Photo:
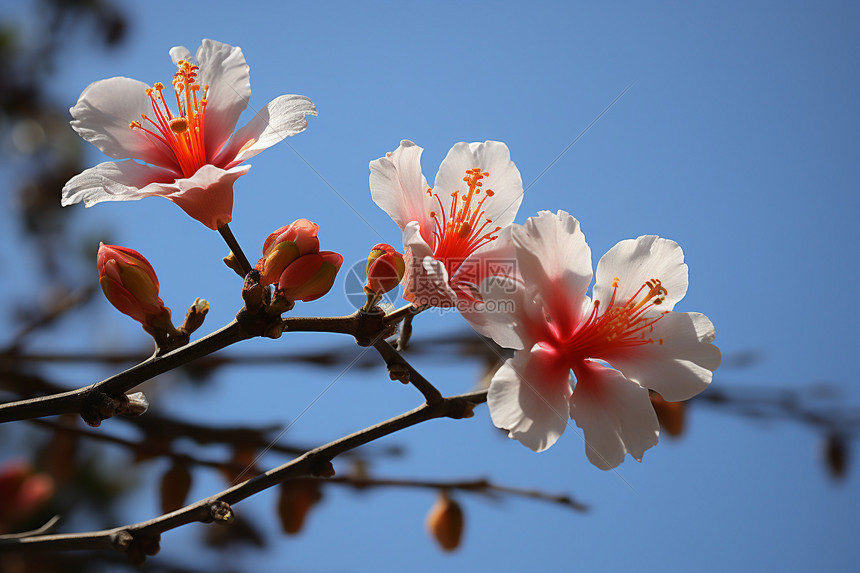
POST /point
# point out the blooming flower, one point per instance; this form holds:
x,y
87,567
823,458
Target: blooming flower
x,y
450,229
188,154
130,284
619,343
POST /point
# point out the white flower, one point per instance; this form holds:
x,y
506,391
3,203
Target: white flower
x,y
180,145
619,345
452,229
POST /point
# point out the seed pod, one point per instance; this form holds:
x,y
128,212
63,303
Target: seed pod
x,y
175,485
296,500
671,415
445,522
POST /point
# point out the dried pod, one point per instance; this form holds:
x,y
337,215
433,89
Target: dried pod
x,y
445,522
836,455
296,499
175,485
671,415
244,457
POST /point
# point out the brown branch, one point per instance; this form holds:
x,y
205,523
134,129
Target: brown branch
x,y
477,486
217,508
91,401
400,369
231,241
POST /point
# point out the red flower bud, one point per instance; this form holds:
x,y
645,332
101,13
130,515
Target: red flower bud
x,y
130,284
286,245
385,268
310,276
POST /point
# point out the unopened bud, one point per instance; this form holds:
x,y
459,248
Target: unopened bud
x,y
284,246
195,315
385,269
445,522
131,286
310,276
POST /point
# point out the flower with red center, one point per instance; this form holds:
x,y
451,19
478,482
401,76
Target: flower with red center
x,y
453,228
619,343
180,146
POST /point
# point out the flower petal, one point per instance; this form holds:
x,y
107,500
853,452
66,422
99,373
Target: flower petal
x,y
179,53
223,69
504,178
635,261
115,181
399,188
208,194
680,362
496,315
102,117
425,280
529,397
284,116
615,415
553,256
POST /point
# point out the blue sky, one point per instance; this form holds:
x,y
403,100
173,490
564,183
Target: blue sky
x,y
736,137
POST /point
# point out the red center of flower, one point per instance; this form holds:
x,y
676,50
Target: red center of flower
x,y
464,227
182,133
620,326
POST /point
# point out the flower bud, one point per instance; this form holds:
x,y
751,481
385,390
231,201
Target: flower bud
x,y
286,245
385,268
130,284
445,522
310,276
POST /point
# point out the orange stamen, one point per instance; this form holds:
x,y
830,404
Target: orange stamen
x,y
182,133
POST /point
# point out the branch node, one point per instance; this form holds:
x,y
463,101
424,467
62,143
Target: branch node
x,y
321,468
398,371
460,409
121,540
97,407
133,405
221,512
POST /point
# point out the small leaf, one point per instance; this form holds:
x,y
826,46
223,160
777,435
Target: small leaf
x,y
175,485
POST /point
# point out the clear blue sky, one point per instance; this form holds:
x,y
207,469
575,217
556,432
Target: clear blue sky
x,y
737,138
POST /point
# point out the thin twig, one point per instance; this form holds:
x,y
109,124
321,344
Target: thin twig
x,y
231,241
78,401
401,370
313,462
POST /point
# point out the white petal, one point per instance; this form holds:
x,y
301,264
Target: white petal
x,y
115,181
529,397
614,413
635,261
553,256
399,188
284,116
426,279
496,316
223,69
679,363
504,178
179,53
494,259
102,117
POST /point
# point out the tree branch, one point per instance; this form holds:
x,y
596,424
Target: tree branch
x,y
91,400
217,507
